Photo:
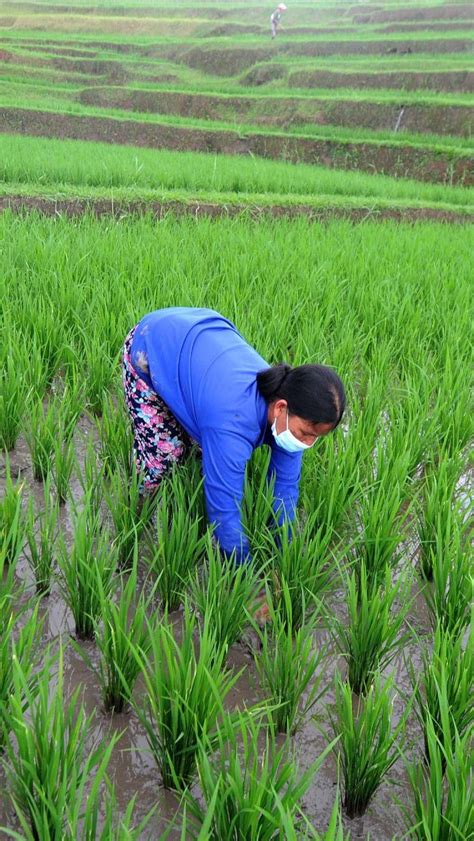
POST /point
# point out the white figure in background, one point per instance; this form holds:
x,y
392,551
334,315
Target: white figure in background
x,y
276,17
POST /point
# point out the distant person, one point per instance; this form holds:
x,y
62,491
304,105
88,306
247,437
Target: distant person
x,y
189,376
276,17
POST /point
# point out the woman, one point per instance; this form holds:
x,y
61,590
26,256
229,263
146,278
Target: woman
x,y
190,376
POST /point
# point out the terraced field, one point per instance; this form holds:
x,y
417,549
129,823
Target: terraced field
x,y
382,89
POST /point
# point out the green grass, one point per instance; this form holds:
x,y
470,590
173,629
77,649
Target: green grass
x,y
64,164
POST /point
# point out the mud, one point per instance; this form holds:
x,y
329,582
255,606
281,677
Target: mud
x,y
450,81
284,113
132,769
403,161
72,208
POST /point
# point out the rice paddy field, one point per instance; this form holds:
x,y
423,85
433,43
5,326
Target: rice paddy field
x,y
316,190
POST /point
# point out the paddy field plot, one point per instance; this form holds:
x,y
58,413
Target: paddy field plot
x,y
317,191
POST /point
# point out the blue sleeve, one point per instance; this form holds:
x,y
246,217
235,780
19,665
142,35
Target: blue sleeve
x,y
224,458
286,469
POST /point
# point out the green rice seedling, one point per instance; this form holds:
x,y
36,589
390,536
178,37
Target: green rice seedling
x,y
92,816
368,745
12,527
299,828
189,476
91,475
449,597
41,436
64,463
374,633
305,561
289,667
331,484
435,513
41,533
179,544
225,593
99,820
35,374
185,687
257,502
454,417
444,686
12,393
122,630
246,788
71,402
48,332
48,764
381,528
442,788
100,370
130,511
20,645
115,437
86,570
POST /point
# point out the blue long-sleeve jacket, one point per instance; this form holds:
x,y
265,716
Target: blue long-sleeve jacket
x,y
205,371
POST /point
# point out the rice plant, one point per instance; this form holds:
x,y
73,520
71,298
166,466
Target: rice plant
x,y
122,630
64,462
225,593
374,632
442,787
91,816
12,393
86,570
382,525
332,483
49,763
247,788
257,501
19,644
305,561
130,512
91,476
289,666
41,534
12,526
41,435
185,687
100,370
435,514
115,437
300,828
179,545
368,745
449,596
443,688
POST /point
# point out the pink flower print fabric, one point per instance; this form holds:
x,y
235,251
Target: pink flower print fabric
x,y
159,440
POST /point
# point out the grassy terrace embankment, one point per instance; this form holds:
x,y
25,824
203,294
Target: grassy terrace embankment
x,y
54,172
383,88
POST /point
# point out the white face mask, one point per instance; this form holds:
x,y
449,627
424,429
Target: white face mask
x,y
287,441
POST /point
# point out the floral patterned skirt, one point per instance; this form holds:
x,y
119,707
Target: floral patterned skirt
x,y
159,440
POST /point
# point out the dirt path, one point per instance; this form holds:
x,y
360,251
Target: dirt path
x,y
105,207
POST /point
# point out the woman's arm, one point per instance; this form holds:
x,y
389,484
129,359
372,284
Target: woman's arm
x,y
224,458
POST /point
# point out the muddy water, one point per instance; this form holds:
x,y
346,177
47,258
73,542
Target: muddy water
x,y
132,767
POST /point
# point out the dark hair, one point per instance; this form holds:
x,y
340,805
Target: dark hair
x,y
313,392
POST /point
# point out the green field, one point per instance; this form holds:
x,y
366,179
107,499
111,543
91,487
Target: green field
x,y
317,190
